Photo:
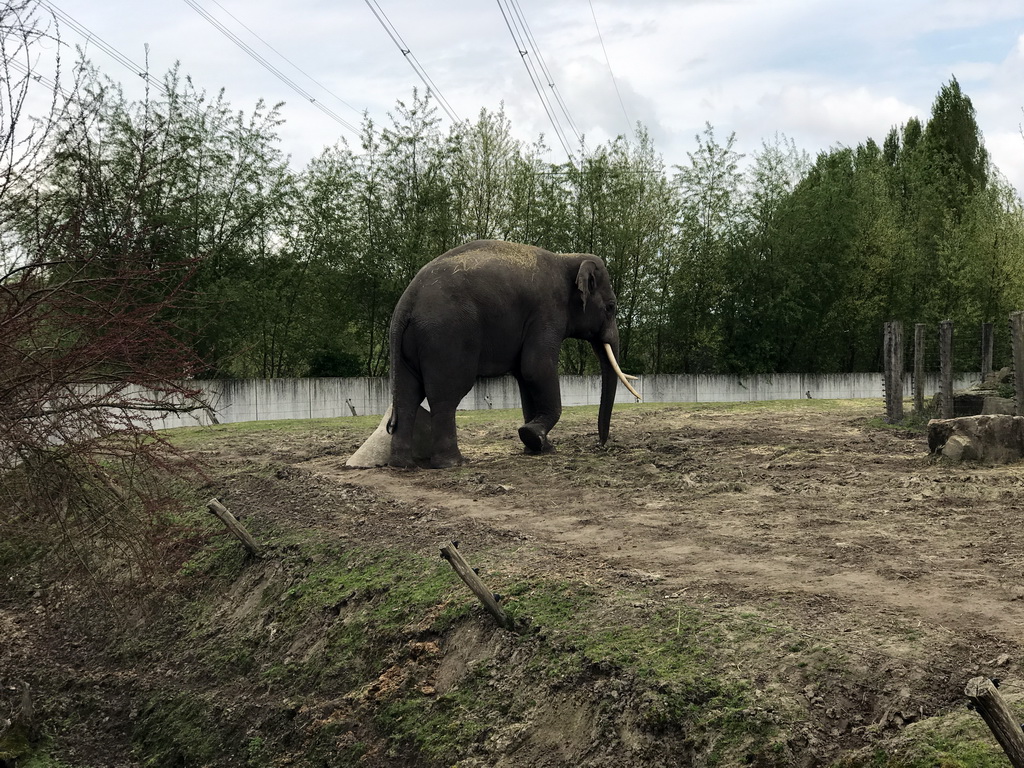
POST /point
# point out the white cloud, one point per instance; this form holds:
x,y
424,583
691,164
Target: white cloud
x,y
831,114
821,73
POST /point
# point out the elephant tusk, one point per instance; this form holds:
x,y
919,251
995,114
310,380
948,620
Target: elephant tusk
x,y
619,373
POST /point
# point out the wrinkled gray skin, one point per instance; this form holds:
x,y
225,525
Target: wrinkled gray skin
x,y
486,309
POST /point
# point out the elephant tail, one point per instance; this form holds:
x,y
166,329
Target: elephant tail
x,y
399,323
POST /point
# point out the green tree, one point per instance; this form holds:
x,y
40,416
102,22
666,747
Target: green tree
x,y
762,299
709,189
179,177
484,157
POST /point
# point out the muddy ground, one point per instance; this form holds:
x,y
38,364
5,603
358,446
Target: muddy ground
x,y
898,576
816,518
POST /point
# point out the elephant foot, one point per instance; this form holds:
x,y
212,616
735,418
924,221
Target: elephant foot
x,y
535,439
444,462
402,461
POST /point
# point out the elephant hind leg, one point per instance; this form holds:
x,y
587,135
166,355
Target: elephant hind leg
x,y
446,451
407,398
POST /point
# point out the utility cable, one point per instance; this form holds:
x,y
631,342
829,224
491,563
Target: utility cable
x,y
92,38
271,68
615,82
544,71
536,80
292,63
396,38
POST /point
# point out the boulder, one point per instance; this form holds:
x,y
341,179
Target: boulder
x,y
994,439
1003,405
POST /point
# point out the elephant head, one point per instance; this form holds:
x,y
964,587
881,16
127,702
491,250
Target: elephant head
x,y
597,325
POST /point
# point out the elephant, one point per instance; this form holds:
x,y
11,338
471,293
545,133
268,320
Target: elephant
x,y
488,308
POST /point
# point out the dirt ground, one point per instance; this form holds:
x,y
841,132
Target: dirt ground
x,y
903,571
808,508
850,534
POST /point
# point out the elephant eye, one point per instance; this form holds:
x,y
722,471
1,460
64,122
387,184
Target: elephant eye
x,y
611,309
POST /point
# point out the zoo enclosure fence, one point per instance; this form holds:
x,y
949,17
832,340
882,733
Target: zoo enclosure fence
x,y
927,354
234,400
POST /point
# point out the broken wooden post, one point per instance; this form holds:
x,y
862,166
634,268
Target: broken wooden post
x,y
893,379
946,369
1000,718
919,331
1017,335
451,553
234,526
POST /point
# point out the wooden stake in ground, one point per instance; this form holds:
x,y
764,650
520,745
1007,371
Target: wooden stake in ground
x,y
234,526
451,553
1001,720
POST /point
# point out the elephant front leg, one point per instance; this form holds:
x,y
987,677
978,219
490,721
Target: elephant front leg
x,y
535,438
542,407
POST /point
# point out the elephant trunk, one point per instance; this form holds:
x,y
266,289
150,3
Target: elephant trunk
x,y
609,382
611,375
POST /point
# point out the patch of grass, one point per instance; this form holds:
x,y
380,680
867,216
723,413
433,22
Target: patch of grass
x,y
439,729
358,607
959,739
682,653
179,729
42,760
221,560
197,437
911,422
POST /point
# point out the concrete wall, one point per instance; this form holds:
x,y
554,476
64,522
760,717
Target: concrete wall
x,y
260,400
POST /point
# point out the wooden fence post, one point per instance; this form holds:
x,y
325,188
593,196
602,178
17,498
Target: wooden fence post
x,y
1000,718
946,369
893,377
919,331
987,344
1017,334
451,553
240,532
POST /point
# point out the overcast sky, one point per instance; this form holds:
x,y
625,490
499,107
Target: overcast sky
x,y
823,73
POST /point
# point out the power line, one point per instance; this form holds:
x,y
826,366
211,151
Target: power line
x,y
544,69
292,63
396,38
271,68
92,38
615,82
535,78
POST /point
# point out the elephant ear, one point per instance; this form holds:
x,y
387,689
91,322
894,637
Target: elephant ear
x,y
586,280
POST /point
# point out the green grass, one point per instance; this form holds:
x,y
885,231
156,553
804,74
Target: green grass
x,y
680,652
193,437
180,729
959,739
197,437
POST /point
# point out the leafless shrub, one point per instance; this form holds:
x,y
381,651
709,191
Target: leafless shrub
x,y
90,351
